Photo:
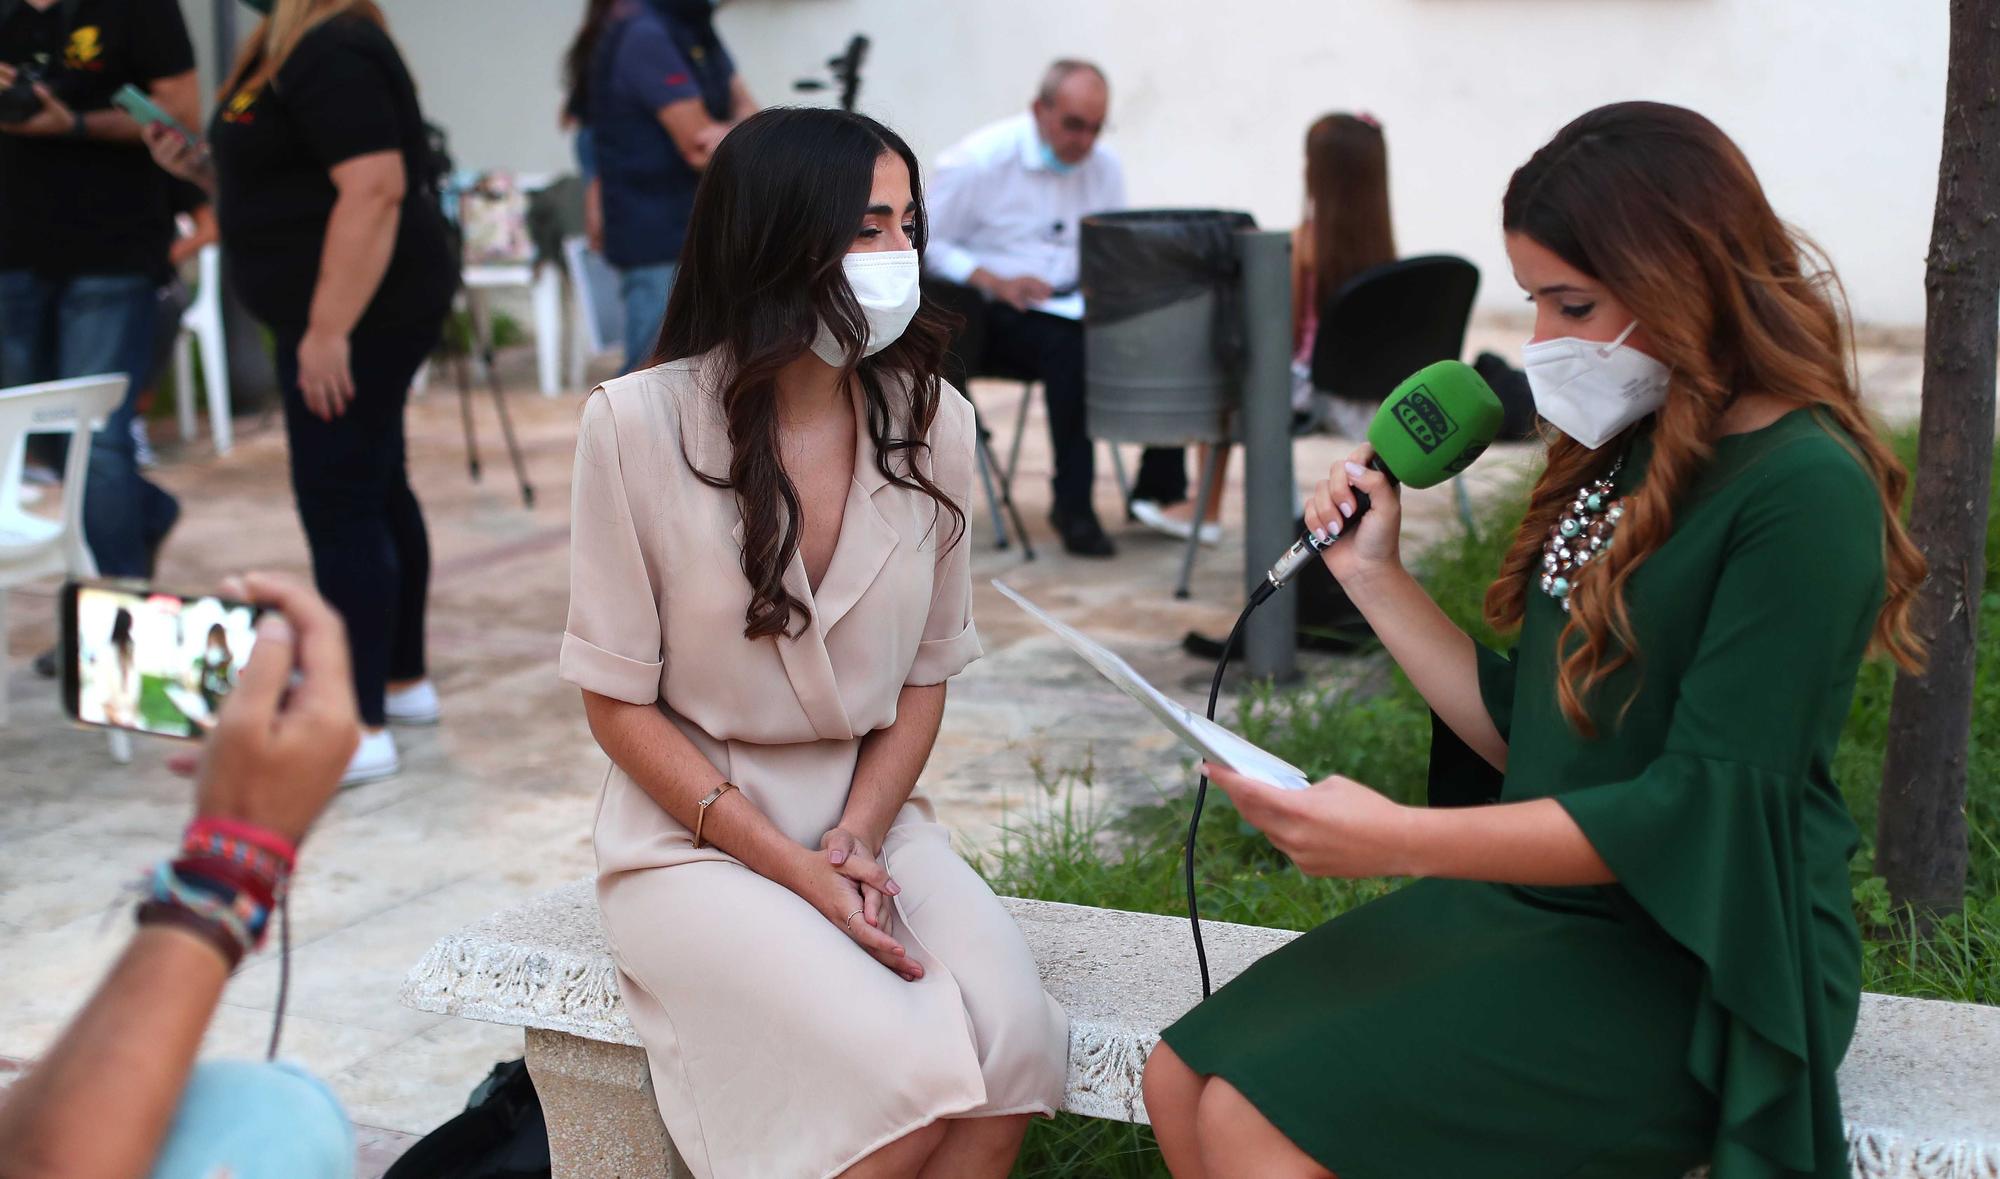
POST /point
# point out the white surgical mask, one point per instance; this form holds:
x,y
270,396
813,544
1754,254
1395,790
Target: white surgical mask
x,y
885,284
1592,390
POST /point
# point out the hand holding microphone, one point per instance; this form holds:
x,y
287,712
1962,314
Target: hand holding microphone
x,y
1351,492
1430,428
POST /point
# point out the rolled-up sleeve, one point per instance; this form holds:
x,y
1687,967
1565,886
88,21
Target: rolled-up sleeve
x,y
950,640
611,643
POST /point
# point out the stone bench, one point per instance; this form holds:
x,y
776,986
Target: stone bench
x,y
1921,1084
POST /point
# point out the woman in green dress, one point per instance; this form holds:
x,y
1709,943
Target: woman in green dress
x,y
1632,949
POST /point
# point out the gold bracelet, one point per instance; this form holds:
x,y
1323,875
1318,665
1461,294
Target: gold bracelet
x,y
701,808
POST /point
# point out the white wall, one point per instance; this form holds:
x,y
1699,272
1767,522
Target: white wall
x,y
1837,102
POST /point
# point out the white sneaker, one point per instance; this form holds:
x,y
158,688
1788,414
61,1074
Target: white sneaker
x,y
1153,516
142,446
416,705
374,760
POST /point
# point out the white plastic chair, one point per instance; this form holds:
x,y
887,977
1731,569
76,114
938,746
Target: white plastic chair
x,y
202,322
33,547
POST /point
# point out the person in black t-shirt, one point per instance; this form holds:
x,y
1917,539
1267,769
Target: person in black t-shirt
x,y
332,235
85,225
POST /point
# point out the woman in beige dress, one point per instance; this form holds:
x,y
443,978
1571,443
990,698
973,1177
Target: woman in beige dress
x,y
769,588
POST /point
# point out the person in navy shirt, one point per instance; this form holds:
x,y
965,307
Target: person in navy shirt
x,y
663,92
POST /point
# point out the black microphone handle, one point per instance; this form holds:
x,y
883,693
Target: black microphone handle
x,y
1362,503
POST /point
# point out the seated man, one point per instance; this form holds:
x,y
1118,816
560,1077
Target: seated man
x,y
1006,206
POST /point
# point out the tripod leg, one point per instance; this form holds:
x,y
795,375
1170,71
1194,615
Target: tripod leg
x,y
513,446
459,364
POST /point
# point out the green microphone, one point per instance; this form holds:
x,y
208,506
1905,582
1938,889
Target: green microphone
x,y
1432,427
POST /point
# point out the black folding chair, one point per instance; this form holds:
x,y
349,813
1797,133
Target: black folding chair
x,y
1389,321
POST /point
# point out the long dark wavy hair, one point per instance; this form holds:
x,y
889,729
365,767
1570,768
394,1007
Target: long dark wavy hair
x,y
576,63
778,207
1660,206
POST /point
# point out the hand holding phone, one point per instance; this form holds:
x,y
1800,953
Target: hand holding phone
x,y
138,658
185,158
147,113
284,738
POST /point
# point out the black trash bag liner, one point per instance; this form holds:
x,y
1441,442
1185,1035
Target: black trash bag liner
x,y
1144,259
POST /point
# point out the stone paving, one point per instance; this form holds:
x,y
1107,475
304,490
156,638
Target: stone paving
x,y
495,805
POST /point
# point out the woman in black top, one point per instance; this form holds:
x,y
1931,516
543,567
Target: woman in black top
x,y
333,238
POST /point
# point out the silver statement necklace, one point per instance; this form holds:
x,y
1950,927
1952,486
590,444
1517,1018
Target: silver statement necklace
x,y
1583,531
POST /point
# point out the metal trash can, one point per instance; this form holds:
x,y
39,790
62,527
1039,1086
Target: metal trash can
x,y
1163,331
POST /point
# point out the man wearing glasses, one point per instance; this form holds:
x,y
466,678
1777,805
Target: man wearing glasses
x,y
1006,206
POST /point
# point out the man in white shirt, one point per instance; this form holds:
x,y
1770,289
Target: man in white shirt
x,y
1006,207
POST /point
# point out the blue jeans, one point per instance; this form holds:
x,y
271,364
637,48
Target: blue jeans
x,y
52,329
256,1121
644,291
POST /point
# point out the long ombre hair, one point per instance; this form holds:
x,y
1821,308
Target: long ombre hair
x,y
267,49
778,206
1347,177
1656,203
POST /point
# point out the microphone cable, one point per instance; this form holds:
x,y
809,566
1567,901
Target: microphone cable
x,y
1257,598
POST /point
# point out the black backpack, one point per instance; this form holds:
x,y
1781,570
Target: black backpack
x,y
501,1135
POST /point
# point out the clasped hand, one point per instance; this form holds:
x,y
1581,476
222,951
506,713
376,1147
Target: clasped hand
x,y
851,888
1337,827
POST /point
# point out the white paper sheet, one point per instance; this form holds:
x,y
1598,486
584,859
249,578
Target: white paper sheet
x,y
1206,737
1068,306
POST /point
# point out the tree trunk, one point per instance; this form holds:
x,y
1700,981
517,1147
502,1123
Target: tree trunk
x,y
1921,840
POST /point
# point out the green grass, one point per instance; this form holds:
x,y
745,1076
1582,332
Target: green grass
x,y
157,712
1073,850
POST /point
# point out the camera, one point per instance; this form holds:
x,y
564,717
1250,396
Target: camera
x,y
19,102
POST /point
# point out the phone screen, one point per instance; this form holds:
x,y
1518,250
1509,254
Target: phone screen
x,y
149,661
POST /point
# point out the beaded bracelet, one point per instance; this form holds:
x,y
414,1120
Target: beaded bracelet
x,y
249,833
232,877
236,913
224,889
200,841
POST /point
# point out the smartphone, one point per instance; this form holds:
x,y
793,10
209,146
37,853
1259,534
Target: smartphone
x,y
138,658
135,102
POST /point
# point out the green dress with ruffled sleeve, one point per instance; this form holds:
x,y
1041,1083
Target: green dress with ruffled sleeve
x,y
1697,1010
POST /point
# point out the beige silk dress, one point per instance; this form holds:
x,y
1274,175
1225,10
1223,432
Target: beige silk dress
x,y
778,1047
